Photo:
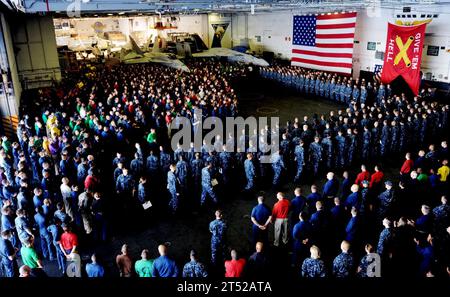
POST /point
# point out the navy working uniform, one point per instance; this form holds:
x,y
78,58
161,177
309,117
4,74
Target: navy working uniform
x,y
250,174
312,268
207,188
300,160
172,186
194,269
343,265
218,229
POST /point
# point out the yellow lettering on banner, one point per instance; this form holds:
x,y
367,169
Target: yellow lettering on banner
x,y
402,55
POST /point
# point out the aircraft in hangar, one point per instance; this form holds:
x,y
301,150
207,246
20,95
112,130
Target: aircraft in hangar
x,y
153,55
193,45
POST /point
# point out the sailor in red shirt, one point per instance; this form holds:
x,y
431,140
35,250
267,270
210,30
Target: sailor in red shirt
x,y
407,165
68,242
280,217
235,266
376,178
362,176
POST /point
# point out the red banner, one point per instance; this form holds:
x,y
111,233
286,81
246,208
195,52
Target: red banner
x,y
403,54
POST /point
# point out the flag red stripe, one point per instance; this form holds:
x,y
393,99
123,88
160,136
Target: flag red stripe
x,y
331,64
319,54
337,16
342,35
335,45
336,26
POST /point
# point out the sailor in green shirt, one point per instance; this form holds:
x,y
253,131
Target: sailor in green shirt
x,y
144,267
29,255
151,138
422,177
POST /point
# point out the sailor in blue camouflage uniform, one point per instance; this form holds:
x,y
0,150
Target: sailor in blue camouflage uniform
x,y
125,185
182,173
194,268
441,215
375,139
250,172
196,170
366,147
173,186
277,166
313,267
385,200
341,150
299,159
386,238
317,86
306,85
301,83
315,155
333,89
384,139
322,88
312,83
178,152
363,95
137,166
343,264
352,147
142,191
226,164
207,188
328,151
348,93
395,135
152,165
355,93
285,146
218,229
82,171
327,89
381,94
342,92
403,139
164,160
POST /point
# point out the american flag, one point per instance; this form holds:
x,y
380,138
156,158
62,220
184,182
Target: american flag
x,y
324,42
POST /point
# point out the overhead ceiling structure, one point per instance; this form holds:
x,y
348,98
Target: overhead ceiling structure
x,y
133,7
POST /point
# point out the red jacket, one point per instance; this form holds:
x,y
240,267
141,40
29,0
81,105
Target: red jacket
x,y
407,167
364,175
376,178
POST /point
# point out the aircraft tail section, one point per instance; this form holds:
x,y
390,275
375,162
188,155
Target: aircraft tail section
x,y
135,47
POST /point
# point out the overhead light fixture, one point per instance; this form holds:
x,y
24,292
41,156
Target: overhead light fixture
x,y
329,13
122,13
96,15
110,14
336,12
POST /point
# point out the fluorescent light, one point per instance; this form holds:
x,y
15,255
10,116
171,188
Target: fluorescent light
x,y
122,12
110,14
